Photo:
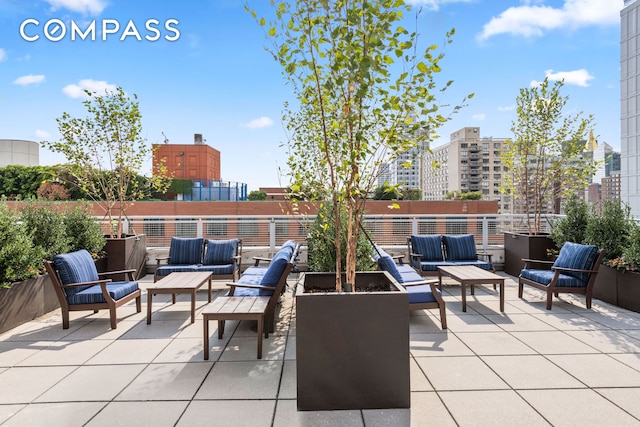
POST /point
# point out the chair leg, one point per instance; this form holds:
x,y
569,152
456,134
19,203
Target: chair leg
x,y
114,319
443,317
549,299
139,304
520,287
65,318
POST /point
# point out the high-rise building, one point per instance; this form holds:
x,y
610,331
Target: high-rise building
x,y
467,163
630,105
19,152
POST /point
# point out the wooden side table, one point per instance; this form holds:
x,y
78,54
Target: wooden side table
x,y
235,308
179,283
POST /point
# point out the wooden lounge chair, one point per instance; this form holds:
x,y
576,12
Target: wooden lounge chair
x,y
78,286
423,294
574,271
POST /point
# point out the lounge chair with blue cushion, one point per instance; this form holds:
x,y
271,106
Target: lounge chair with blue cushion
x,y
426,253
423,294
223,258
185,255
461,250
267,281
574,271
78,286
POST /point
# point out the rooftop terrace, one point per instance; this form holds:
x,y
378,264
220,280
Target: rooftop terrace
x,y
526,366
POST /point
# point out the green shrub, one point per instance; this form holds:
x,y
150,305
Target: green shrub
x,y
46,228
609,230
322,251
573,227
19,259
83,231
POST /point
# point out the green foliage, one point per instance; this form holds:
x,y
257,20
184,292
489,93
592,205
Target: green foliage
x,y
83,230
544,160
387,192
469,195
609,230
572,227
630,259
106,150
22,182
366,93
257,195
19,258
322,248
45,227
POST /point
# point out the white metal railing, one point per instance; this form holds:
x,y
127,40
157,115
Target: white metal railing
x,y
272,231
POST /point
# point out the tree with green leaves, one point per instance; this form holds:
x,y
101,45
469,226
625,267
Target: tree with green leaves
x,y
365,93
545,159
257,195
105,151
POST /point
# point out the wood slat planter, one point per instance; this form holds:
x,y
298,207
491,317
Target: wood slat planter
x,y
618,287
25,301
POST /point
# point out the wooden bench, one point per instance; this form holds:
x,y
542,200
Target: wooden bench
x,y
235,308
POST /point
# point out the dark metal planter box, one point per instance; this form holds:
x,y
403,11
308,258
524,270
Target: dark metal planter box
x,y
605,287
125,253
628,285
25,301
519,246
352,349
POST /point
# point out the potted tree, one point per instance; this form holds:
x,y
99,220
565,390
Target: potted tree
x,y
543,162
105,152
364,95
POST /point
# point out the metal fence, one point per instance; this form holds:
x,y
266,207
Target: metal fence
x,y
272,231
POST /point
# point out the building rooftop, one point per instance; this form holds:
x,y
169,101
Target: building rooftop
x,y
526,366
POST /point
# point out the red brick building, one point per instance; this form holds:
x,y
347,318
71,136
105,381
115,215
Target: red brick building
x,y
196,161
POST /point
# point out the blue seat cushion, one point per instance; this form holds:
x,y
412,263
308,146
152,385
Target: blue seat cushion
x,y
462,247
485,265
408,274
386,263
576,256
93,294
165,270
186,250
432,265
76,267
420,294
276,267
544,277
217,269
248,292
428,246
220,251
255,271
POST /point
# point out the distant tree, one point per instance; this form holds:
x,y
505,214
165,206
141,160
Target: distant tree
x,y
412,194
471,195
387,192
106,150
52,191
257,195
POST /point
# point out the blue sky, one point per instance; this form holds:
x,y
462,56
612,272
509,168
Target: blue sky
x,y
217,79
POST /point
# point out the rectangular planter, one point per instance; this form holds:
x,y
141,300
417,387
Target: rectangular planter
x,y
605,287
127,252
352,349
628,286
25,301
518,246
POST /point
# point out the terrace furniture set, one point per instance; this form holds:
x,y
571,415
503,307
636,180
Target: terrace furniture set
x,y
255,294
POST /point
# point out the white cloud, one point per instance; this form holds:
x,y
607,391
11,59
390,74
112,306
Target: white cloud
x,y
97,86
3,55
42,134
507,108
29,80
579,77
435,4
479,117
88,7
533,20
260,123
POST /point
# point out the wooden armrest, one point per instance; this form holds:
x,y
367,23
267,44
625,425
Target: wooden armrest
x,y
107,273
485,254
422,282
247,285
397,258
537,261
572,270
259,258
97,282
161,259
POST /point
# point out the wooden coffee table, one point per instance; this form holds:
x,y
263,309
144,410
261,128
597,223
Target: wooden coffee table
x,y
471,275
179,283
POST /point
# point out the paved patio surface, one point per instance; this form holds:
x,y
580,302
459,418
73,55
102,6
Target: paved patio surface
x,y
527,366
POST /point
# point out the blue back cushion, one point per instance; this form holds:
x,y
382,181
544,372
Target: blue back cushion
x,y
186,250
76,267
276,267
428,246
220,251
386,263
461,247
576,256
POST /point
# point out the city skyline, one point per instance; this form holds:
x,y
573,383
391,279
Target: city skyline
x,y
202,68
